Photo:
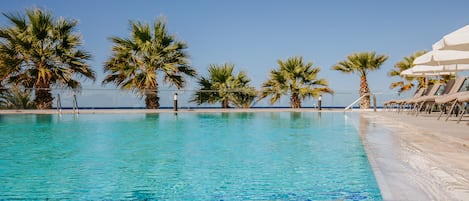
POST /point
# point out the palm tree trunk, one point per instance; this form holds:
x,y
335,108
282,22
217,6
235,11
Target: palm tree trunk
x,y
295,101
225,103
43,98
365,101
152,101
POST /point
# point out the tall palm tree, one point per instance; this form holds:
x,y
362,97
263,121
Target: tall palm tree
x,y
361,63
407,83
221,85
295,78
40,51
137,60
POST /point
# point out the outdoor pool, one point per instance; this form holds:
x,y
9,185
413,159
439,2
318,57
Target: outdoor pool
x,y
189,156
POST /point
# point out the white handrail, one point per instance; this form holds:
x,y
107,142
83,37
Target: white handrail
x,y
75,104
59,104
354,102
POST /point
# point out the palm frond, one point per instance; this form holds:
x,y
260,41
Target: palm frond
x,y
16,98
402,65
296,78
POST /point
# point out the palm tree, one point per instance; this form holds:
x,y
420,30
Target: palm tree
x,y
362,63
17,98
40,51
408,82
137,60
223,86
295,78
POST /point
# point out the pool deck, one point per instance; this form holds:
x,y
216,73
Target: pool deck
x,y
413,158
417,157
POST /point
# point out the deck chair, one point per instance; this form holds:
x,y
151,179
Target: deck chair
x,y
463,98
422,92
429,101
452,99
415,103
388,105
397,102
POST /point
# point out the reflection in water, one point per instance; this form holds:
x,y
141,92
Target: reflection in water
x,y
142,195
244,115
44,127
152,116
44,118
295,115
225,115
274,115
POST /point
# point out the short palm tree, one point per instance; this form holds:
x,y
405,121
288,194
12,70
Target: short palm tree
x,y
40,51
295,78
361,63
17,98
407,83
137,60
221,85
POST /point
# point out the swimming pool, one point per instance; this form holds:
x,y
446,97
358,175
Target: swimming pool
x,y
189,156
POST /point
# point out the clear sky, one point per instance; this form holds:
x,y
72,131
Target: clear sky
x,y
254,34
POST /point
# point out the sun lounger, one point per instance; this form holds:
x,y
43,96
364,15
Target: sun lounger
x,y
429,101
398,102
416,103
451,99
410,102
462,99
388,105
449,91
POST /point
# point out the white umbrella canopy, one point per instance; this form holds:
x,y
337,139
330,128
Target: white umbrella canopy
x,y
442,70
409,73
443,57
425,71
457,40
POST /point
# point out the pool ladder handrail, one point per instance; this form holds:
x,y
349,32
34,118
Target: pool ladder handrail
x,y
364,95
59,104
74,104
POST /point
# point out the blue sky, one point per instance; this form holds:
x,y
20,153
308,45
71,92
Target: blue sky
x,y
255,34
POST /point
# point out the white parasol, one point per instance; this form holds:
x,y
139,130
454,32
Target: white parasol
x,y
425,71
457,40
444,57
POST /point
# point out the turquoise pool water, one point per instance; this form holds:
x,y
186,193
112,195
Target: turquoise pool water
x,y
189,156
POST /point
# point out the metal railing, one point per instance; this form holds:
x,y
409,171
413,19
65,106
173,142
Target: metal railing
x,y
59,104
75,104
102,98
349,107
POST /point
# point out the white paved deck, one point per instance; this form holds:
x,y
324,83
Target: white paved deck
x,y
417,158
